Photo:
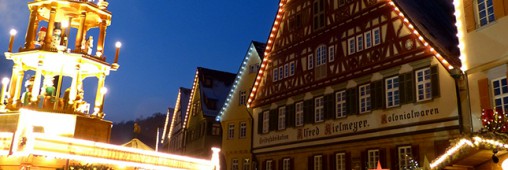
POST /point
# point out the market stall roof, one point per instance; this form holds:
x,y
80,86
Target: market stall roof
x,y
136,143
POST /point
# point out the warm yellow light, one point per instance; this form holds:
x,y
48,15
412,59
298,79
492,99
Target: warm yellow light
x,y
118,44
505,164
65,24
5,80
104,90
13,32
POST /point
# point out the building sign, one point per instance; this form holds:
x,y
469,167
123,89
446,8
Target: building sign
x,y
362,124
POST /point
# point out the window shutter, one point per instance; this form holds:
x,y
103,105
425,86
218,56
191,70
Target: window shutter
x,y
470,16
402,89
394,156
291,163
415,151
280,163
363,160
325,162
434,80
382,157
332,159
406,88
310,162
352,101
329,106
377,94
273,119
348,160
308,111
260,123
290,115
274,164
263,166
483,87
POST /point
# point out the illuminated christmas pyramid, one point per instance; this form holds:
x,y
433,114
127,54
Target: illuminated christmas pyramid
x,y
47,124
59,44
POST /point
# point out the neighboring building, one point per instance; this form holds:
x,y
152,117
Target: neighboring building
x,y
347,83
235,117
208,94
176,135
483,36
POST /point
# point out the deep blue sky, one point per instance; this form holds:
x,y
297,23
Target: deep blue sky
x,y
163,43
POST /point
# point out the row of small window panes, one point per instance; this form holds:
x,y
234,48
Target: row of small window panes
x,y
392,94
321,56
284,71
243,130
364,41
235,164
404,154
500,91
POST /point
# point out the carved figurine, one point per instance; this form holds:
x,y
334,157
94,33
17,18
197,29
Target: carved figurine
x,y
89,45
25,98
40,37
57,37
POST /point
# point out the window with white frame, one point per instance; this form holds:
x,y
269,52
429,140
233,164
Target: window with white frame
x,y
292,68
372,158
340,104
423,85
405,155
243,97
392,92
368,39
319,109
331,53
281,72
321,55
318,162
365,103
485,12
500,88
275,74
266,121
234,164
351,45
246,164
231,131
310,61
376,35
282,118
359,43
340,161
286,70
268,165
286,164
299,114
243,129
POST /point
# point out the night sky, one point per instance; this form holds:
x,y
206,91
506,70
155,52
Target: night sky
x,y
163,43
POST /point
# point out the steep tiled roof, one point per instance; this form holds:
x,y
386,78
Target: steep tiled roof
x,y
214,95
260,48
184,101
436,21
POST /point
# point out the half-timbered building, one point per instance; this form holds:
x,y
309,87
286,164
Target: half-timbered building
x,y
346,84
208,94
